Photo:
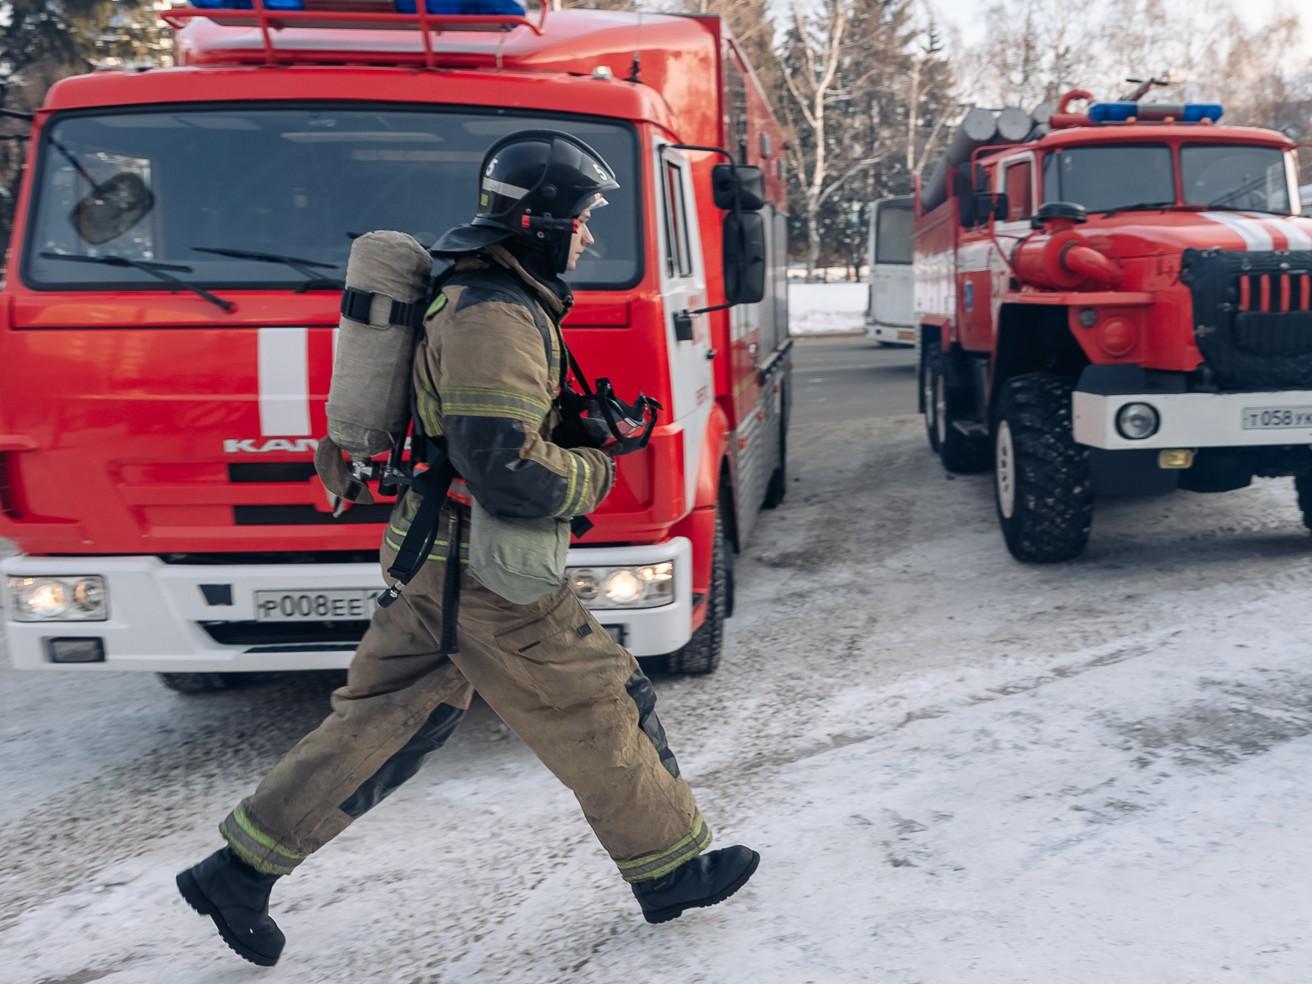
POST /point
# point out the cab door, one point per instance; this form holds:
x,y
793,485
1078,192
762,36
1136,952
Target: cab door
x,y
683,290
1013,175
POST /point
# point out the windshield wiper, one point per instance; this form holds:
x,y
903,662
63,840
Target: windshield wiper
x,y
306,268
160,271
1136,207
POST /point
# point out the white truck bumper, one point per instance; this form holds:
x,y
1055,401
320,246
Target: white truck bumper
x,y
892,334
1198,420
180,618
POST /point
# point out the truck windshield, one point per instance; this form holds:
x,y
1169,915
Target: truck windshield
x,y
1235,176
285,182
1111,176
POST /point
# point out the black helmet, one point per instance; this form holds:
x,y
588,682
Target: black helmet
x,y
534,186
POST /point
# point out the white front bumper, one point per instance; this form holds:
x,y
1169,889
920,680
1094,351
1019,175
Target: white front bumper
x,y
158,612
1193,420
892,334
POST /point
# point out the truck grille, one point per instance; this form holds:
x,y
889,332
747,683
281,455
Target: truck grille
x,y
343,634
1253,316
167,497
307,515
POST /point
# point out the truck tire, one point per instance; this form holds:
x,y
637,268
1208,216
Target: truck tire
x,y
928,362
1042,486
199,683
1303,485
962,453
701,654
778,486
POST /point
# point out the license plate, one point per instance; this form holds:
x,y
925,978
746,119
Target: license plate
x,y
1277,418
616,632
314,606
906,336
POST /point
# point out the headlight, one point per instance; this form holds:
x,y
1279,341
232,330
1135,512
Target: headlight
x,y
55,599
1137,421
624,587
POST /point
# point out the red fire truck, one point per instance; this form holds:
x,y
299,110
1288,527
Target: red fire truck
x,y
163,374
1118,303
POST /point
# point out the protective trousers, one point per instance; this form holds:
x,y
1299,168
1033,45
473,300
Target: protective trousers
x,y
548,669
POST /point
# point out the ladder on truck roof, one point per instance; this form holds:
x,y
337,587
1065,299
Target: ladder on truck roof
x,y
339,24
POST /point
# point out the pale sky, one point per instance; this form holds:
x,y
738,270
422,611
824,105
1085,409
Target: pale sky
x,y
964,14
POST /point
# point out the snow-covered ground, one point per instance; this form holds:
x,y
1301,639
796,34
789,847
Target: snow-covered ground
x,y
958,769
827,309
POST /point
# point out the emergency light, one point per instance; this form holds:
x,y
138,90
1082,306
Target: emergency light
x,y
509,8
1123,112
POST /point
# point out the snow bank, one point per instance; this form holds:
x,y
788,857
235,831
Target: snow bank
x,y
827,309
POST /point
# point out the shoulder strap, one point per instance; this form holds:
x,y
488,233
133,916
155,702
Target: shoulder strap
x,y
578,373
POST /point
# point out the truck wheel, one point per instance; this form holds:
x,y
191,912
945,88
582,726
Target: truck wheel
x,y
1043,491
1303,485
778,487
198,683
929,361
702,653
962,453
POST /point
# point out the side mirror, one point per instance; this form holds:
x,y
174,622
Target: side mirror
x,y
744,257
991,204
112,208
738,185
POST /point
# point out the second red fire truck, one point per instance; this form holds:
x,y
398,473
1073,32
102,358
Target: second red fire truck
x,y
1116,300
163,374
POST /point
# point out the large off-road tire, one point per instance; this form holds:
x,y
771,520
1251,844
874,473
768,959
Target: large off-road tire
x,y
928,364
1303,485
1042,487
961,452
200,683
702,653
778,485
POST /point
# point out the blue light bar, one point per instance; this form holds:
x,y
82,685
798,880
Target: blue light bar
x,y
1121,112
1197,112
1112,112
248,4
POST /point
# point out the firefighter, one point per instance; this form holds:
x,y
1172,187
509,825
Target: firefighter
x,y
487,378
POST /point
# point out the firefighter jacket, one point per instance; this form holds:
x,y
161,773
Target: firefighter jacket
x,y
486,380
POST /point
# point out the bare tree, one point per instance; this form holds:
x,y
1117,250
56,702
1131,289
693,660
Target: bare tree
x,y
812,59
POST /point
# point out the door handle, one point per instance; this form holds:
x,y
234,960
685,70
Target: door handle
x,y
683,326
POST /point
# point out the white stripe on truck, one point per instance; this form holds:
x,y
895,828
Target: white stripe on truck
x,y
1253,233
284,382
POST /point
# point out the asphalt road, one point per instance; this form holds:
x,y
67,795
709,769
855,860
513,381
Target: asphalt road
x,y
841,378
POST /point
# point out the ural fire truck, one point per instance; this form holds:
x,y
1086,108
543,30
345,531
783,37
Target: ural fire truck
x,y
1119,303
167,328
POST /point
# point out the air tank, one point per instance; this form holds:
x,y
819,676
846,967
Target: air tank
x,y
978,129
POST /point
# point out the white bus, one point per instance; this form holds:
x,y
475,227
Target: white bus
x,y
890,318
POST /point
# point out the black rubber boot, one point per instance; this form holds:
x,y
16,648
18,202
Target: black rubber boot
x,y
236,897
705,880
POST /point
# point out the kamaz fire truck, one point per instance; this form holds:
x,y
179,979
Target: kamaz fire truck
x,y
167,328
1117,303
